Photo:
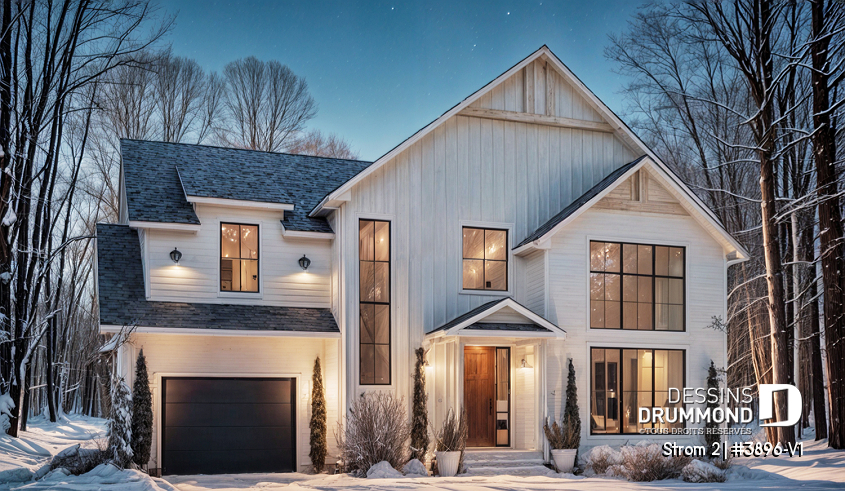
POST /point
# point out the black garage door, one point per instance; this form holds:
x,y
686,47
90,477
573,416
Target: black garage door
x,y
228,425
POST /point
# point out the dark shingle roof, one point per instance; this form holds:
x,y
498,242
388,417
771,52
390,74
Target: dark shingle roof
x,y
153,171
120,282
489,326
496,326
578,203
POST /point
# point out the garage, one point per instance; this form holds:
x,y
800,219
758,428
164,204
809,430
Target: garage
x,y
228,425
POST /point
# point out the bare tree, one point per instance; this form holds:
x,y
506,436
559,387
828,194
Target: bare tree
x,y
315,143
186,99
265,103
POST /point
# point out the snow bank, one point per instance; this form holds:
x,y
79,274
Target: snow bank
x,y
383,470
414,468
700,471
104,476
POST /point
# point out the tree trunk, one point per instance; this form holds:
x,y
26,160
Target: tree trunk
x,y
830,226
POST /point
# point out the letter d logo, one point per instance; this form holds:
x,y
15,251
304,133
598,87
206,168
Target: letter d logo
x,y
793,403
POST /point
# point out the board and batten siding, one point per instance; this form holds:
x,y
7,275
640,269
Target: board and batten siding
x,y
232,356
569,259
535,282
469,171
197,276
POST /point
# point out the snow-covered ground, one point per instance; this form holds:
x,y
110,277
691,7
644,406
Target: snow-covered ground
x,y
819,468
20,460
30,455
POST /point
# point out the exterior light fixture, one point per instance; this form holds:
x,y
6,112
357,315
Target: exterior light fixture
x,y
524,364
304,262
175,255
425,358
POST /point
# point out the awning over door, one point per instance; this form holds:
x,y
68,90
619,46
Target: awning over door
x,y
500,318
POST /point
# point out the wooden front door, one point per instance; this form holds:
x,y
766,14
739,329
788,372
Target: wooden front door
x,y
479,395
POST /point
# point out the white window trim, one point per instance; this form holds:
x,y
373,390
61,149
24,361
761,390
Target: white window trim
x,y
460,238
259,295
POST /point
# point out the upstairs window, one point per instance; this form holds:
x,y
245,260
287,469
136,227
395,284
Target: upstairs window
x,y
238,257
637,286
485,259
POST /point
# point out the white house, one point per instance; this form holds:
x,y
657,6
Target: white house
x,y
524,227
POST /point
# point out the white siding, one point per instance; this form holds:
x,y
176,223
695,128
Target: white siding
x,y
535,282
196,278
569,302
241,357
524,421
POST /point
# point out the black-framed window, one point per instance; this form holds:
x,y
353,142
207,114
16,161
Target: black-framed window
x,y
485,259
238,257
374,304
637,286
622,380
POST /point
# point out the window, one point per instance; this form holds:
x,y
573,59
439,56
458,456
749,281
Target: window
x,y
485,259
636,286
238,257
646,376
374,307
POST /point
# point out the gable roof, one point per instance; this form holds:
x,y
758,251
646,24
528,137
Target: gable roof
x,y
473,320
122,300
162,178
626,134
698,210
578,203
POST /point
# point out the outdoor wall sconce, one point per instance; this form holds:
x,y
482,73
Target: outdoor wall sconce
x,y
524,364
425,358
304,262
175,255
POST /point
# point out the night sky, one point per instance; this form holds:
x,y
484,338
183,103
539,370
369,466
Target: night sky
x,y
380,71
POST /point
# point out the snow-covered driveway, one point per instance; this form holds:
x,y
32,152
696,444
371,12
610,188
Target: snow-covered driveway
x,y
819,468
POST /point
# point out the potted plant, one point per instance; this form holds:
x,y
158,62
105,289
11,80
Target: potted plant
x,y
565,438
450,443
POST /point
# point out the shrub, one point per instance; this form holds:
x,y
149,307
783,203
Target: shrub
x,y
376,430
710,435
419,425
319,448
645,462
700,471
568,434
142,413
600,459
120,425
78,460
453,435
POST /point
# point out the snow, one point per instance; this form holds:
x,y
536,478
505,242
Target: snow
x,y
415,468
29,456
383,470
700,471
819,468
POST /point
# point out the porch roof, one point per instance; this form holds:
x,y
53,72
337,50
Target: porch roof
x,y
482,321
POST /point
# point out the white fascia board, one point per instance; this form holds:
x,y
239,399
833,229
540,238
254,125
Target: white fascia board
x,y
108,328
299,234
176,227
239,203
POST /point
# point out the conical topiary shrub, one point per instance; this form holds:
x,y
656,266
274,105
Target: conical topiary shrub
x,y
120,425
319,448
419,426
142,413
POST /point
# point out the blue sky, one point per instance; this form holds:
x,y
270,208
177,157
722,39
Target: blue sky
x,y
380,71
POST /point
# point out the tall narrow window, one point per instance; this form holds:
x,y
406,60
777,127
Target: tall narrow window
x,y
238,257
636,286
374,290
646,376
485,259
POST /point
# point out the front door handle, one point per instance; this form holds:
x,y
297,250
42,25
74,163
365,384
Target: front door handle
x,y
491,407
